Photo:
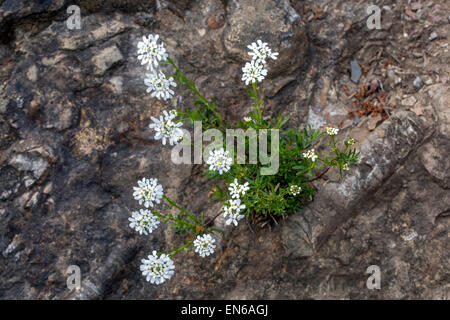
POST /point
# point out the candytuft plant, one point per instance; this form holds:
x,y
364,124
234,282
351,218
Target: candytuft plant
x,y
252,190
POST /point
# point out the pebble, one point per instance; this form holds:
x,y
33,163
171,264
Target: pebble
x,y
355,71
418,83
433,36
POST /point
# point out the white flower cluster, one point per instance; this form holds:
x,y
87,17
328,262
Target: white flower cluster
x,y
157,269
350,141
295,190
237,190
152,53
143,221
311,154
232,210
148,191
159,85
204,245
260,51
255,70
166,128
345,167
332,131
218,161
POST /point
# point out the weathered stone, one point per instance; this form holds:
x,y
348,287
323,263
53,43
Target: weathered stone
x,y
74,139
418,82
409,101
106,58
274,22
355,71
30,162
395,139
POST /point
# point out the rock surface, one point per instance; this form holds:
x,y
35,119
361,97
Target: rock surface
x,y
74,139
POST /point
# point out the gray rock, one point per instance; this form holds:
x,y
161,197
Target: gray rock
x,y
335,203
433,36
418,82
74,140
278,24
106,58
355,71
30,162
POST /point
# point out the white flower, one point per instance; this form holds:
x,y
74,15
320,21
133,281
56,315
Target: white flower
x,y
172,114
218,161
350,141
295,190
345,167
236,189
143,221
157,269
233,210
247,119
332,131
234,218
204,245
148,191
253,72
150,52
311,154
236,205
159,85
166,129
260,52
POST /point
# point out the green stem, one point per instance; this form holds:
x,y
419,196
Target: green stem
x,y
257,103
182,247
191,85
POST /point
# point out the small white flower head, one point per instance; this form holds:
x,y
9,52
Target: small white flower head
x,y
157,269
150,52
332,131
311,154
345,167
295,190
159,85
204,245
172,114
218,161
233,211
148,191
253,72
260,51
237,190
234,218
166,129
350,141
143,221
247,119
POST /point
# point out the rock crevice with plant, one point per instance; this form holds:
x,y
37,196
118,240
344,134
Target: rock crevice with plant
x,y
247,190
